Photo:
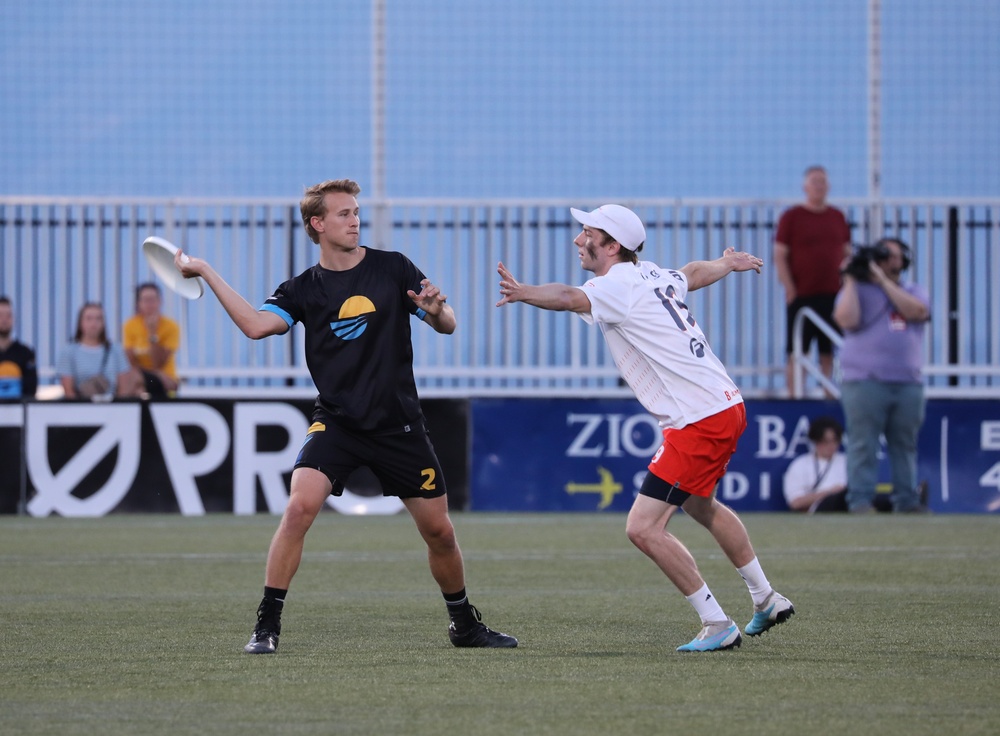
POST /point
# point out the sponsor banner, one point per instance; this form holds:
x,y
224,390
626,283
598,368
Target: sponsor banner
x,y
196,457
959,455
592,455
559,454
190,457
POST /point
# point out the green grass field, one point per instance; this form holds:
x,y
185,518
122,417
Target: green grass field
x,y
135,625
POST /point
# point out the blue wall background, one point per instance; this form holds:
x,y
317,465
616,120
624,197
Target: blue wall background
x,y
692,98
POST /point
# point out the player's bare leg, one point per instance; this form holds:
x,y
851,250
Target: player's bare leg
x,y
310,489
647,529
770,607
443,553
724,525
448,570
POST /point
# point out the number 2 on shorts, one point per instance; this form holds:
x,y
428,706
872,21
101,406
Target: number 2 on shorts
x,y
429,476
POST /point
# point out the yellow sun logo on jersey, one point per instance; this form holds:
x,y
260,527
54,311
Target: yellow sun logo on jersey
x,y
353,317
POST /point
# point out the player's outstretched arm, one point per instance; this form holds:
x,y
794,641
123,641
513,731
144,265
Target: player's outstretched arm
x,y
703,273
556,297
254,324
437,312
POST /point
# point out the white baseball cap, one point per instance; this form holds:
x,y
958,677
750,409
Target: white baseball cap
x,y
619,222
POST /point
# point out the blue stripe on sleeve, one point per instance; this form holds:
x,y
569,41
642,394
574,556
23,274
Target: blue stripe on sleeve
x,y
278,311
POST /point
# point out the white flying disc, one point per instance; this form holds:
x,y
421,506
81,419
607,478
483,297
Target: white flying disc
x,y
160,255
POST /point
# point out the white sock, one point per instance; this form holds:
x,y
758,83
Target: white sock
x,y
756,581
706,605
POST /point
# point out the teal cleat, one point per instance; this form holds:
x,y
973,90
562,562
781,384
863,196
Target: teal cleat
x,y
716,636
776,610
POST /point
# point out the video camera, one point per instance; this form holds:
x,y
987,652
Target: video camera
x,y
865,254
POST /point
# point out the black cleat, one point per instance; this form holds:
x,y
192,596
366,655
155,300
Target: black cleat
x,y
265,634
262,642
474,633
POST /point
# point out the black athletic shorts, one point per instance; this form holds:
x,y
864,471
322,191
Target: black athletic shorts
x,y
823,306
404,461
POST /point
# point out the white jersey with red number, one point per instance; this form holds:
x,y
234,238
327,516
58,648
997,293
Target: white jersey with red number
x,y
658,347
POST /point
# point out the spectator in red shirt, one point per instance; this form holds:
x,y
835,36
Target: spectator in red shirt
x,y
812,241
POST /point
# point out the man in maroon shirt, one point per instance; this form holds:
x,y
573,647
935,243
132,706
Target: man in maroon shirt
x,y
812,241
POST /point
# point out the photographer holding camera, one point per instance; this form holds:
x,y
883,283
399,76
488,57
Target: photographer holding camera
x,y
882,392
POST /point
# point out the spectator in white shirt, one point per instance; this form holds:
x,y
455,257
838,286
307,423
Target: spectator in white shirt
x,y
820,476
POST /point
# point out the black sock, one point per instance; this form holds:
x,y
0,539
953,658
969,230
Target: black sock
x,y
275,597
458,605
269,611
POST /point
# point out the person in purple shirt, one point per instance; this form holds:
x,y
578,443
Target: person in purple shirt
x,y
882,392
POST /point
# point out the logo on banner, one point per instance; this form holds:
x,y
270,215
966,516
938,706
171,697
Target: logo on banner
x,y
613,435
607,488
117,428
116,439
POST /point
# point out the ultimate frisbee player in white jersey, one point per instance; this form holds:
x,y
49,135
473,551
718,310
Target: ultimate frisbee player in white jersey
x,y
664,357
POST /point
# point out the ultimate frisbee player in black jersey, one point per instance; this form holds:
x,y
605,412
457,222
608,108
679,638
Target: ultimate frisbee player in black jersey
x,y
356,305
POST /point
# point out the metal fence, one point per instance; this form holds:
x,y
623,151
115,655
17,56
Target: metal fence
x,y
56,253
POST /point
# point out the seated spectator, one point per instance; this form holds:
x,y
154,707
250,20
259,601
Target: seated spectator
x,y
91,366
151,341
817,481
18,375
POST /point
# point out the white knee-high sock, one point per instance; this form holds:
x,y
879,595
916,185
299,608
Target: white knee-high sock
x,y
756,581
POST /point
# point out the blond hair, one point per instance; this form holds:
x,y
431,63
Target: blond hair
x,y
313,202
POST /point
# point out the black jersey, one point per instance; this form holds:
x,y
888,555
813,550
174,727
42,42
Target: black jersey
x,y
18,375
358,346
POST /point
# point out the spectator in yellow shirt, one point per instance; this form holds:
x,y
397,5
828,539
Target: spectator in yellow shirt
x,y
151,340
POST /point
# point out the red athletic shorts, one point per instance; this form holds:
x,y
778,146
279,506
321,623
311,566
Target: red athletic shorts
x,y
694,458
